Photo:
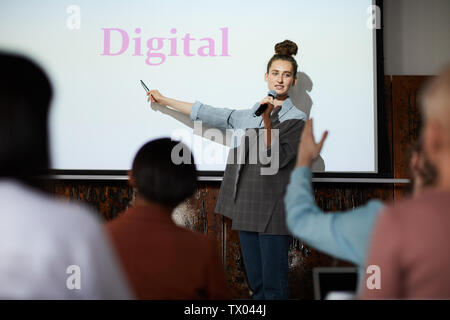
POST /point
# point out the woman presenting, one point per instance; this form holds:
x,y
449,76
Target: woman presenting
x,y
252,200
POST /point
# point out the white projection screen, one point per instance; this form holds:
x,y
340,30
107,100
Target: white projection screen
x,y
216,52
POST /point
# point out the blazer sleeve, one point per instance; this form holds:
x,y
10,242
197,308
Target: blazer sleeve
x,y
289,133
222,118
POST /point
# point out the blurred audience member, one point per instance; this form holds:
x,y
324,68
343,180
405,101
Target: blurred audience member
x,y
48,249
163,260
410,243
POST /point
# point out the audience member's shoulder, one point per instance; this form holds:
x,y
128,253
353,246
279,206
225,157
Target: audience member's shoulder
x,y
433,198
199,239
39,207
427,201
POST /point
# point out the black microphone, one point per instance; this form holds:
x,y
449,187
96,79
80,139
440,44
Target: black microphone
x,y
264,106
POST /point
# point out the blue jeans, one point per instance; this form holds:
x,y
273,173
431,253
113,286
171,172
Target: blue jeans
x,y
266,263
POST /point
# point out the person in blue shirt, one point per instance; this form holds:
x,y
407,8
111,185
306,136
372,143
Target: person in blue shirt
x,y
344,235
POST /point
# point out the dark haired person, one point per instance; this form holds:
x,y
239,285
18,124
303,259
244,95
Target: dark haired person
x,y
344,235
254,201
163,260
48,249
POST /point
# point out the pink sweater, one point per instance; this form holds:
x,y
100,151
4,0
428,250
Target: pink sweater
x,y
411,245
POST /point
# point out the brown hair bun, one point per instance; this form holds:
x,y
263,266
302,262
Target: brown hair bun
x,y
286,48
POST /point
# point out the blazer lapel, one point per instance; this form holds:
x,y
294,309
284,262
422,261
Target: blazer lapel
x,y
242,154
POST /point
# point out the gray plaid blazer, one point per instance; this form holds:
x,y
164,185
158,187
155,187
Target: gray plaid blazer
x,y
252,200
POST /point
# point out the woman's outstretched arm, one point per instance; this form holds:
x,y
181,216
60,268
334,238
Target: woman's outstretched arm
x,y
222,118
181,106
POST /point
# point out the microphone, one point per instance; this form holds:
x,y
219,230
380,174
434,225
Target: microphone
x,y
264,106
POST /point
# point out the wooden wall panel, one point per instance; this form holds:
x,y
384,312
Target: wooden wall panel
x,y
109,198
406,124
389,117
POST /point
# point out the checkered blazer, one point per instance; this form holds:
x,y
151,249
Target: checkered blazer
x,y
252,200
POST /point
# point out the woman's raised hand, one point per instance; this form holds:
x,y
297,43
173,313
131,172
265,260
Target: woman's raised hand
x,y
308,149
270,105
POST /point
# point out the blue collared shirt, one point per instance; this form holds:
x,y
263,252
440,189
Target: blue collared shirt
x,y
344,235
225,118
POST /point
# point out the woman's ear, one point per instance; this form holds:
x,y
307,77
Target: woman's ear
x,y
131,180
414,162
295,81
266,77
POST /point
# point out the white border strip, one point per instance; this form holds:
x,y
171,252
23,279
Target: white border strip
x,y
124,177
361,180
318,270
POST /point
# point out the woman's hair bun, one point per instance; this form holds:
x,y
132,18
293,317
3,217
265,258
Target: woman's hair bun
x,y
286,48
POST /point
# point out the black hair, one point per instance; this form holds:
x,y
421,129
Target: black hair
x,y
157,175
25,95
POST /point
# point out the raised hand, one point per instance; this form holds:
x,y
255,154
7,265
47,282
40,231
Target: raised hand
x,y
308,149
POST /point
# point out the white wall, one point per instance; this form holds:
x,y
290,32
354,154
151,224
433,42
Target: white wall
x,y
416,36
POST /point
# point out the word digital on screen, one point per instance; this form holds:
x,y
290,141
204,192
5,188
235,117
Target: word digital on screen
x,y
155,45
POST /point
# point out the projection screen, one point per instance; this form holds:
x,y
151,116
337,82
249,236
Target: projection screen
x,y
216,52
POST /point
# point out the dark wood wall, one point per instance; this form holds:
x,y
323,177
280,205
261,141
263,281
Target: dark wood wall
x,y
109,198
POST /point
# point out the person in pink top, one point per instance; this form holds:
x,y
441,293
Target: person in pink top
x,y
409,255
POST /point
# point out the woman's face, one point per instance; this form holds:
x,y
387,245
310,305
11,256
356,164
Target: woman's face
x,y
280,77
